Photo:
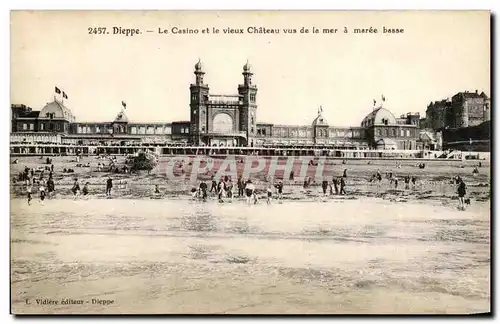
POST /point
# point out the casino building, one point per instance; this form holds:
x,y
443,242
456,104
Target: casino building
x,y
216,120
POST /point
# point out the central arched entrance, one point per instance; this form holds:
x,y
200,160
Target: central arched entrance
x,y
223,123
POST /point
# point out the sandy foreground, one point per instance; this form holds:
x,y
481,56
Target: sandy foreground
x,y
331,256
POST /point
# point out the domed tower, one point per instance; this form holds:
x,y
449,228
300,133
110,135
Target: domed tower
x,y
199,97
248,109
320,127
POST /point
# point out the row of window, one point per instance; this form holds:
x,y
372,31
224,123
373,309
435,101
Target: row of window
x,y
392,132
281,132
41,127
133,130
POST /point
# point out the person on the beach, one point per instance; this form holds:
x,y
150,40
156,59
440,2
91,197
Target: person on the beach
x,y
345,173
324,186
462,190
229,189
249,190
240,187
269,194
373,178
28,192
379,176
109,186
85,190
50,187
254,196
395,182
220,191
157,190
42,191
335,183
76,187
342,186
407,182
194,193
214,185
279,189
203,188
52,168
413,181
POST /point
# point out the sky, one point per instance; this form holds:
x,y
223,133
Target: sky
x,y
439,54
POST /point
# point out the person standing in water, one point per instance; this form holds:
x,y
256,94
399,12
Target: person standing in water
x,y
462,190
109,186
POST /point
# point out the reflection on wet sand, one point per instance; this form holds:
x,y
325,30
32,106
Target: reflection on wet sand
x,y
154,256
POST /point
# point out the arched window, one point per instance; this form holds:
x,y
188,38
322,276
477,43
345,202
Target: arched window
x,y
223,122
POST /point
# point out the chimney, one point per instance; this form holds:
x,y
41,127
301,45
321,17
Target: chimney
x,y
476,91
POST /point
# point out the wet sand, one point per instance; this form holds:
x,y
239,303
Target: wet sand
x,y
352,256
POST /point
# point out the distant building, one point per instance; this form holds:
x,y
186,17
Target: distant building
x,y
463,120
464,109
215,121
384,131
437,114
469,109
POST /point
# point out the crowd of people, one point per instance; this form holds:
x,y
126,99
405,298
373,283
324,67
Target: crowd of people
x,y
224,190
42,178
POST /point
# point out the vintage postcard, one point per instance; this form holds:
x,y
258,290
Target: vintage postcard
x,y
250,162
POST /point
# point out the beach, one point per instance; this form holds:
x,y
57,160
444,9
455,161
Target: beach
x,y
377,250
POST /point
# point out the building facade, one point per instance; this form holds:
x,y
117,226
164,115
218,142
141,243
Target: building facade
x,y
221,121
464,109
462,121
